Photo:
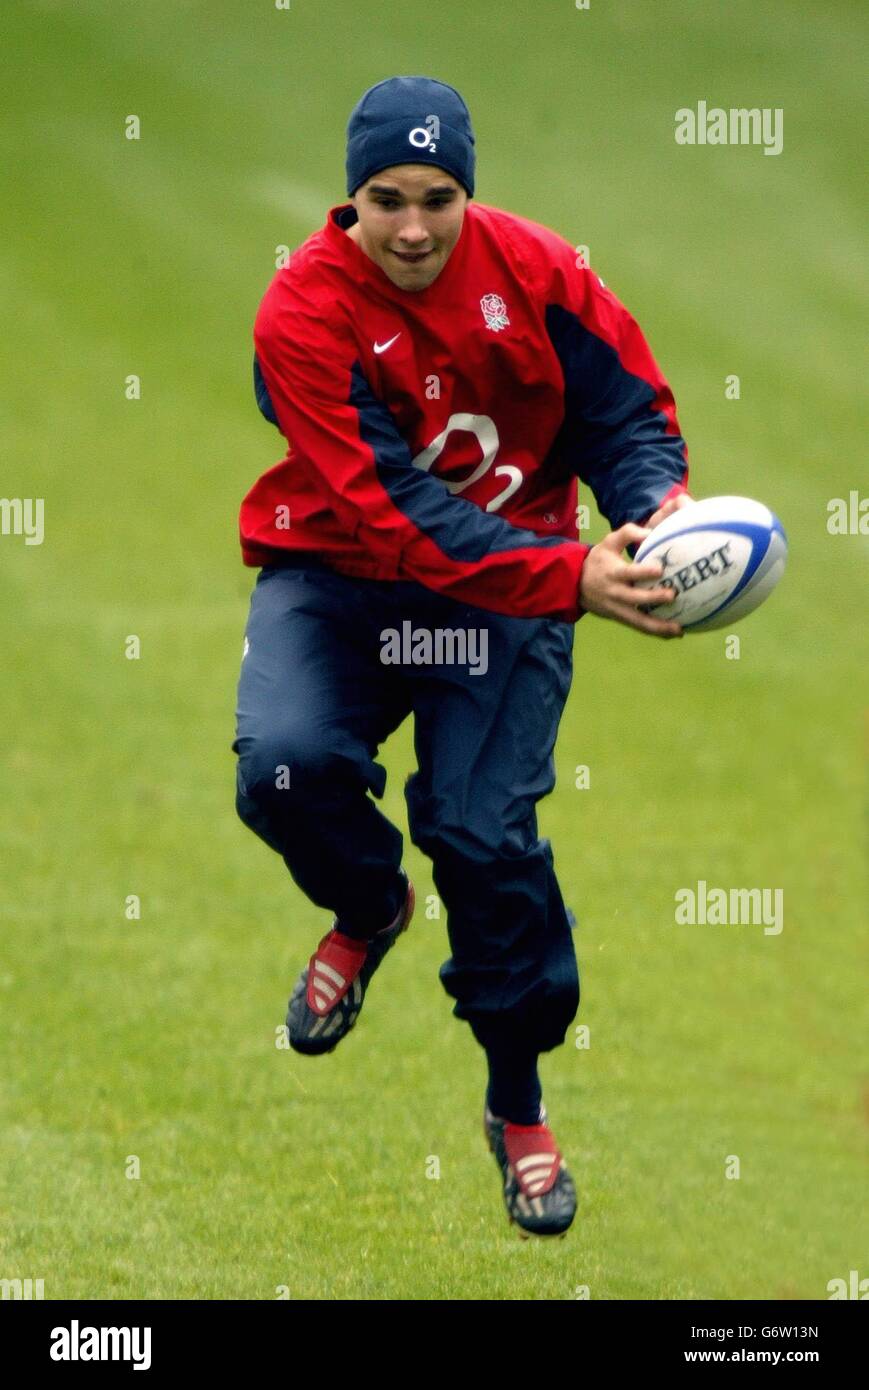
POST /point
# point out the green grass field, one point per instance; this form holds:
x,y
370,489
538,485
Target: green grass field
x,y
156,1037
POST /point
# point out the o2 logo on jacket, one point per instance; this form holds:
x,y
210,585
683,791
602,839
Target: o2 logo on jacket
x,y
423,137
485,431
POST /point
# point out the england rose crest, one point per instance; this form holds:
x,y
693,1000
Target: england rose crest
x,y
494,312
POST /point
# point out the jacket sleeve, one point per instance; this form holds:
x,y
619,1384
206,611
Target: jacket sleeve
x,y
620,433
403,515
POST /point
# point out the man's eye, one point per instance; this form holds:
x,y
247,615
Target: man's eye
x,y
387,203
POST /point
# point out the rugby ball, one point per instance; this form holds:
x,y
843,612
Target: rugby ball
x,y
722,555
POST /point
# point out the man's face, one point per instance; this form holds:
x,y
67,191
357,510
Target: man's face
x,y
410,218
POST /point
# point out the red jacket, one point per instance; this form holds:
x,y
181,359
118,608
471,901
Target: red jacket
x,y
438,435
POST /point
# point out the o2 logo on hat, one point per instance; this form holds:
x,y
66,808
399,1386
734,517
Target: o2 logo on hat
x,y
424,137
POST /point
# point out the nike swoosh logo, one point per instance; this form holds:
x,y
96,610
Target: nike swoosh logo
x,y
381,347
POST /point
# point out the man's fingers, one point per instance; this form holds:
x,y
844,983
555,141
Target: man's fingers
x,y
629,572
623,593
629,534
646,569
675,504
644,622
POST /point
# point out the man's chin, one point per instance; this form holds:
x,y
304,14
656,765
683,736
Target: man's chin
x,y
409,275
412,283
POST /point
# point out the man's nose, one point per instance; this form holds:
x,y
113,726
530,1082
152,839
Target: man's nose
x,y
413,233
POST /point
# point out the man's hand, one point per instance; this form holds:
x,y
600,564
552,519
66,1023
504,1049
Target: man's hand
x,y
680,500
608,584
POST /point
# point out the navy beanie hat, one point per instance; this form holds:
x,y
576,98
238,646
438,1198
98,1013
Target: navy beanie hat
x,y
410,120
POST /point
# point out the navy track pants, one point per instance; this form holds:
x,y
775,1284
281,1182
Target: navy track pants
x,y
315,701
